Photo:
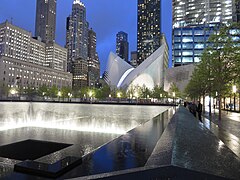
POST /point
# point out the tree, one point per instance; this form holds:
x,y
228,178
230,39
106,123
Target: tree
x,y
219,65
53,91
174,89
158,92
43,91
145,92
222,60
199,83
65,91
30,92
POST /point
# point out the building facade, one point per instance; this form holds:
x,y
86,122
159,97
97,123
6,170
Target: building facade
x,y
45,25
80,73
93,60
21,74
77,34
148,28
56,57
133,60
194,22
189,43
27,58
186,13
122,45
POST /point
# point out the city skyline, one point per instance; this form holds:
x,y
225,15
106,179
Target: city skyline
x,y
105,21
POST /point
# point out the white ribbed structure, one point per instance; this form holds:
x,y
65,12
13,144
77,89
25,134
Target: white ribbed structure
x,y
150,73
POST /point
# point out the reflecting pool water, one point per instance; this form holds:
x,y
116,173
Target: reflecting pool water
x,y
86,126
111,119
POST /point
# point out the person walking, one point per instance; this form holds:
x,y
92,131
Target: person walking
x,y
199,110
193,108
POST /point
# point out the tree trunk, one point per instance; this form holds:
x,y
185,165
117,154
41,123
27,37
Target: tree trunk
x,y
210,106
220,107
203,103
224,102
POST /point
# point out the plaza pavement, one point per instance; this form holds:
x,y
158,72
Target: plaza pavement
x,y
227,129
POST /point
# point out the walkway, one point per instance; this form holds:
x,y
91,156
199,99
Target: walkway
x,y
227,129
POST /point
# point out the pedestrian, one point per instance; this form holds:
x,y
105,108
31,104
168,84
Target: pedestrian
x,y
193,108
199,110
185,104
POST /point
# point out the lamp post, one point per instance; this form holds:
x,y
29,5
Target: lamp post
x,y
69,96
136,95
90,95
43,94
119,96
234,89
13,92
131,97
59,95
174,94
110,96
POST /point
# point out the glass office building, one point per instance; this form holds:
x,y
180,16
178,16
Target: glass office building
x,y
194,22
189,43
187,12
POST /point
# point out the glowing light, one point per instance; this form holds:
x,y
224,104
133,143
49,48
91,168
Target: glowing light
x,y
13,91
234,88
59,93
63,124
90,93
174,94
78,2
118,94
136,94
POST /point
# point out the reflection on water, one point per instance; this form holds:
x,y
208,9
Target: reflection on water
x,y
79,117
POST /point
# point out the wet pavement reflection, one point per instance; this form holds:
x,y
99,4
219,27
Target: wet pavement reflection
x,y
227,130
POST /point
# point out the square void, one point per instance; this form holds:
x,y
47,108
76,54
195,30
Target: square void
x,y
30,149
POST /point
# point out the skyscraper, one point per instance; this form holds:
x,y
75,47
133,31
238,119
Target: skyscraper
x,y
45,25
193,24
149,28
77,34
93,60
187,13
122,45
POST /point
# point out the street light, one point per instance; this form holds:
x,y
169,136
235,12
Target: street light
x,y
69,96
13,91
234,89
43,94
161,97
119,96
90,93
136,94
174,94
59,95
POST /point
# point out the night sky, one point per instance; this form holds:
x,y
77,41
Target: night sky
x,y
106,17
